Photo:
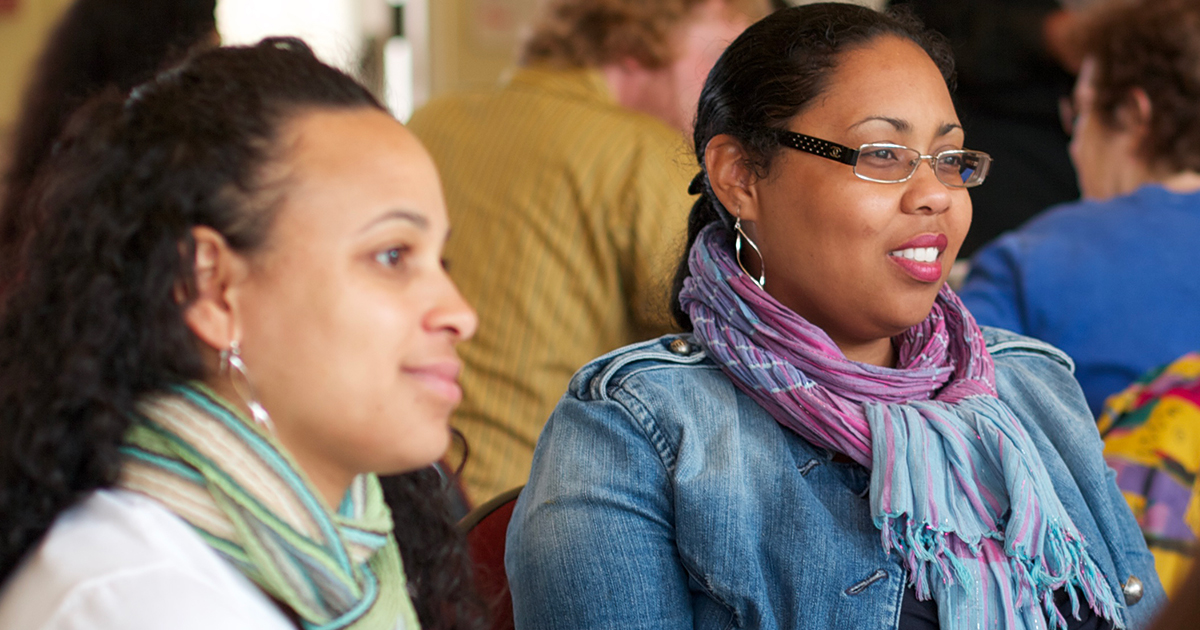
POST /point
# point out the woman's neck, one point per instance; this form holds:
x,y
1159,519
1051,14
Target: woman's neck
x,y
879,352
1182,183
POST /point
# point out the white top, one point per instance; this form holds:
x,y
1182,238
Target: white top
x,y
121,560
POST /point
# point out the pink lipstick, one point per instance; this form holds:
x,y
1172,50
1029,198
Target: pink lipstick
x,y
920,257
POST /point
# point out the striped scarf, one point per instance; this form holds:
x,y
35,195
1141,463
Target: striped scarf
x,y
958,488
240,490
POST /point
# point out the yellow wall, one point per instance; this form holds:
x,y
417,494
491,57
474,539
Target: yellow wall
x,y
21,37
474,41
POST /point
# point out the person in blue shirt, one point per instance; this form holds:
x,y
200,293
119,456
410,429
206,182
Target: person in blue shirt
x,y
1110,278
835,443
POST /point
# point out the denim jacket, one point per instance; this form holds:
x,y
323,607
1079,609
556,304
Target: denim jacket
x,y
663,497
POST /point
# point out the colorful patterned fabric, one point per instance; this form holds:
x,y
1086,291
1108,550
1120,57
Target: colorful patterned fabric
x,y
240,490
1152,439
568,214
957,487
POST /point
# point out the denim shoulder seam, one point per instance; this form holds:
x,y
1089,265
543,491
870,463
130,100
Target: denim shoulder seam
x,y
1017,345
654,354
646,421
619,382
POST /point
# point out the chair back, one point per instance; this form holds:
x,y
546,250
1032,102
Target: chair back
x,y
486,528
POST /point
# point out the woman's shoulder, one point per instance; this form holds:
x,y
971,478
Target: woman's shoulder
x,y
122,560
668,362
1011,349
1037,381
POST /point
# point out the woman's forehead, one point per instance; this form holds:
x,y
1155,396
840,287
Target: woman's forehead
x,y
888,84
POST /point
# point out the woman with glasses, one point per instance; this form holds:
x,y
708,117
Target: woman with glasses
x,y
835,443
1110,278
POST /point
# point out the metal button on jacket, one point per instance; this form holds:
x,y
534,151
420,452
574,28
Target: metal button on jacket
x,y
1133,590
680,347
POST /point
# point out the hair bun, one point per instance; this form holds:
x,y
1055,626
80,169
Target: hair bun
x,y
290,44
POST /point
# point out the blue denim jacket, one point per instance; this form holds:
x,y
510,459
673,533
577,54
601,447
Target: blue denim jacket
x,y
663,497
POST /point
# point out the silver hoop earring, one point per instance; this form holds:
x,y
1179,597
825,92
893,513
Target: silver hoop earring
x,y
231,362
761,280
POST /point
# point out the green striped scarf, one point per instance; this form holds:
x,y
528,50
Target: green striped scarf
x,y
193,452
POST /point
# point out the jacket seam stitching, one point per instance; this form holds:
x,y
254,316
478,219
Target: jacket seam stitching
x,y
648,426
600,383
1050,352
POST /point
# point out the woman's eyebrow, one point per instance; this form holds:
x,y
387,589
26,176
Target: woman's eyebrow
x,y
900,125
947,128
408,216
904,126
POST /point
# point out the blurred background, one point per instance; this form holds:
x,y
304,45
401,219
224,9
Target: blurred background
x,y
406,50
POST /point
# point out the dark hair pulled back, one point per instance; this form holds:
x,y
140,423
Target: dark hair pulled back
x,y
770,74
95,319
97,44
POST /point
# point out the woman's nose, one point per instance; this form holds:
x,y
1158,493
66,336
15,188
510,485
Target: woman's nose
x,y
452,313
926,193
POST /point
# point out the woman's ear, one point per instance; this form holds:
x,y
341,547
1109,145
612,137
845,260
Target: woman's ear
x,y
1132,126
1133,114
213,315
729,173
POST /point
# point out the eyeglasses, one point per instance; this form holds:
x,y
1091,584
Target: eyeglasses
x,y
889,163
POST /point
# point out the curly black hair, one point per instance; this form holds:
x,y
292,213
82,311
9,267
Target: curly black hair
x,y
95,320
97,44
767,76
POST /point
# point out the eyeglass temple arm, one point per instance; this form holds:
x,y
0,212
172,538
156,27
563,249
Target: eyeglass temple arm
x,y
817,146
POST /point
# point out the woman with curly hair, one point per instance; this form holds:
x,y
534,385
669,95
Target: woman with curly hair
x,y
232,314
97,44
1109,279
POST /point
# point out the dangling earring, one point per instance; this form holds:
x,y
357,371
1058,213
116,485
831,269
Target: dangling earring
x,y
761,280
231,361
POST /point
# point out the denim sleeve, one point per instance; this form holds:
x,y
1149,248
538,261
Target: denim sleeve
x,y
994,291
591,543
1042,391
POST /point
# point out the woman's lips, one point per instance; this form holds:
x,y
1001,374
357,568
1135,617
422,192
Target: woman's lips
x,y
919,257
439,378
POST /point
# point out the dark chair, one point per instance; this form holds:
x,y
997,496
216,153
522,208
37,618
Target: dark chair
x,y
486,527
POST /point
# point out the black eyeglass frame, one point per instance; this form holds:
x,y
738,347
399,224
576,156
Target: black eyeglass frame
x,y
846,155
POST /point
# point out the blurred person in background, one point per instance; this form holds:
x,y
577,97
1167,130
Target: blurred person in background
x,y
232,315
567,190
96,44
1015,62
1109,278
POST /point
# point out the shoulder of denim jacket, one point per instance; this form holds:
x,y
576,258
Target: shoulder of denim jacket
x,y
592,381
1001,343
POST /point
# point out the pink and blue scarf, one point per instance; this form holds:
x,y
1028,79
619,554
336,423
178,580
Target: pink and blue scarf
x,y
958,488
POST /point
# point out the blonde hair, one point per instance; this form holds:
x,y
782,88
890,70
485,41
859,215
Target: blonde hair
x,y
593,33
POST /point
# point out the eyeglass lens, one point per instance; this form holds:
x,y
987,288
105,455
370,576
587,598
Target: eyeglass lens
x,y
888,163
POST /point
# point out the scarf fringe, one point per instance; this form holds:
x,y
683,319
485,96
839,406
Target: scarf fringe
x,y
929,557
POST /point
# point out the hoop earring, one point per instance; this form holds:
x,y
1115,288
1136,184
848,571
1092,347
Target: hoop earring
x,y
761,280
231,362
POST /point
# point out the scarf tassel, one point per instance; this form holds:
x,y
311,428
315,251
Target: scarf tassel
x,y
928,556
